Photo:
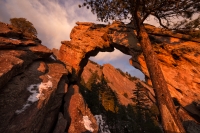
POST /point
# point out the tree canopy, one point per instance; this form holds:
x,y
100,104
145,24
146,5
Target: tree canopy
x,y
189,25
24,25
165,11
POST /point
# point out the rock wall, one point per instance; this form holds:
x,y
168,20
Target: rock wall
x,y
180,64
33,84
178,56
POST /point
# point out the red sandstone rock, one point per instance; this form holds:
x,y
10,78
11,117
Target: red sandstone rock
x,y
75,109
119,83
32,85
178,55
21,73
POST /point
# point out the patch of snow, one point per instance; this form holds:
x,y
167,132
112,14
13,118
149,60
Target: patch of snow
x,y
87,123
36,93
33,89
44,86
52,57
24,108
103,128
12,38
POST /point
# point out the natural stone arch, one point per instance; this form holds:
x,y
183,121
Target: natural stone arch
x,y
174,52
88,39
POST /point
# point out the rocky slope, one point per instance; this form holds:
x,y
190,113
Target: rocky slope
x,y
34,92
120,103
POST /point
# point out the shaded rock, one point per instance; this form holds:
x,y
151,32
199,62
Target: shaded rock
x,y
190,125
24,105
32,84
61,124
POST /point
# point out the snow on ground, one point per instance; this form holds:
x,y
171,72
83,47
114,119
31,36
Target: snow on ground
x,y
13,39
44,86
36,93
52,57
103,128
87,123
33,89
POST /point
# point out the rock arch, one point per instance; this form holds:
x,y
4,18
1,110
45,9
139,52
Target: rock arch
x,y
87,39
181,73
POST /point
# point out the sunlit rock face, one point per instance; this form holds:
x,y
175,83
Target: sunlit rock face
x,y
178,55
32,83
120,103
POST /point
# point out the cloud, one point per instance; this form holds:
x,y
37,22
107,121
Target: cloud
x,y
53,19
110,56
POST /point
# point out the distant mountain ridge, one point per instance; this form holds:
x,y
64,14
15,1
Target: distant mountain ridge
x,y
124,103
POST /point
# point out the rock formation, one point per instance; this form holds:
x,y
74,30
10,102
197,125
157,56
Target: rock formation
x,y
118,81
32,86
178,55
37,92
75,110
119,101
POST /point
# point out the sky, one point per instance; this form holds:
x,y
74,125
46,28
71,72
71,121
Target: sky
x,y
54,20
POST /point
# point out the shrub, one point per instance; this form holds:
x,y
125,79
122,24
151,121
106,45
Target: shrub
x,y
24,25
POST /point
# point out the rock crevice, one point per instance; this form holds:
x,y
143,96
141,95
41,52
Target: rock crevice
x,y
33,84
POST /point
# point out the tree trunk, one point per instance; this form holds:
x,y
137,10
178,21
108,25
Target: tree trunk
x,y
170,119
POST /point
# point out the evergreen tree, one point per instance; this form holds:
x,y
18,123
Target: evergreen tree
x,y
120,119
145,116
190,27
